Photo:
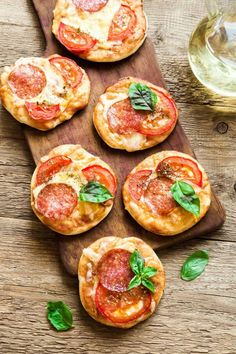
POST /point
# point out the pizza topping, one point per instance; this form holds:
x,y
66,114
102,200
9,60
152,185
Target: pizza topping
x,y
142,97
94,192
158,196
186,197
27,81
123,24
56,201
42,111
180,168
137,183
74,40
122,307
69,70
114,270
102,175
50,167
90,5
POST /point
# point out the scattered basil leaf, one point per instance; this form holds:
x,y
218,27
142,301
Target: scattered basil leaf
x,y
149,285
94,192
149,272
136,262
194,265
59,315
184,194
142,97
135,281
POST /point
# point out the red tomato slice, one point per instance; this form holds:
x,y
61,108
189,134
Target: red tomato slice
x,y
137,183
74,40
114,270
101,175
50,167
27,81
123,24
90,5
158,196
56,201
176,167
162,119
69,70
122,307
42,111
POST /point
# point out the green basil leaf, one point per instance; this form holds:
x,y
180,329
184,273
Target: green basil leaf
x,y
149,272
59,315
135,281
136,262
184,194
94,192
194,265
149,285
142,97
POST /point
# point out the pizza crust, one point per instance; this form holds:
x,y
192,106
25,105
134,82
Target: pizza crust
x,y
107,51
85,215
78,99
88,280
178,220
129,142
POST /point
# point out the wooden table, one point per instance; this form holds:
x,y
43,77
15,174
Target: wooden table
x,y
194,317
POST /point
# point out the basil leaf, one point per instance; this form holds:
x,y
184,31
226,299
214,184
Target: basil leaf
x,y
184,194
135,281
59,315
136,262
142,97
149,285
194,265
94,192
149,272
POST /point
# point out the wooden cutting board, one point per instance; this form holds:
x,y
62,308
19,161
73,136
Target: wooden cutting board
x,y
80,130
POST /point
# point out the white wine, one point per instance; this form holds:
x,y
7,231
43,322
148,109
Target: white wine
x,y
212,54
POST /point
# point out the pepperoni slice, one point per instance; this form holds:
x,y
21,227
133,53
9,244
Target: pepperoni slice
x,y
69,70
137,183
122,307
158,196
42,111
56,201
177,167
114,270
50,167
27,81
101,175
90,5
123,24
74,40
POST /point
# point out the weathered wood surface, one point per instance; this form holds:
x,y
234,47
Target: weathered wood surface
x,y
195,317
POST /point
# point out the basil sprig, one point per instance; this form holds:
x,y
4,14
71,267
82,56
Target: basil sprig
x,y
142,273
142,97
94,192
184,194
59,315
194,265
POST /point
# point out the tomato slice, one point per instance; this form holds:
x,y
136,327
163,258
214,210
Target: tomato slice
x,y
90,5
162,118
74,40
50,167
123,24
137,183
42,111
176,167
101,175
122,307
69,70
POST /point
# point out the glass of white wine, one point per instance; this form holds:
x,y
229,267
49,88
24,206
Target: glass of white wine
x,y
212,48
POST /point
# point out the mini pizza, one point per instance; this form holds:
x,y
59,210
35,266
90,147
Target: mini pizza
x,y
121,281
167,193
44,92
72,190
134,114
100,30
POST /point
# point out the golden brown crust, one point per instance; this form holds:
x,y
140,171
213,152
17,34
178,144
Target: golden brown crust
x,y
78,99
129,142
88,279
108,51
178,220
85,215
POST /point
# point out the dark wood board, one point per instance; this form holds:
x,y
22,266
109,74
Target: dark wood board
x,y
80,130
